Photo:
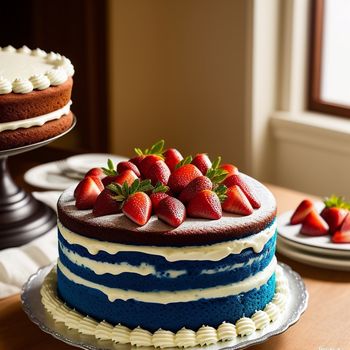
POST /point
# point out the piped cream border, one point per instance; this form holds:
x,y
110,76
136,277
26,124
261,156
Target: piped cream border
x,y
184,338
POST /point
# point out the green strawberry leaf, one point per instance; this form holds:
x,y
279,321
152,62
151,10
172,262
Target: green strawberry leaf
x,y
157,148
138,151
145,186
221,192
186,160
216,163
159,187
110,171
135,186
336,202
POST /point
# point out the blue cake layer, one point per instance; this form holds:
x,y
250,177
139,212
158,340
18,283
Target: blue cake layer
x,y
193,278
173,316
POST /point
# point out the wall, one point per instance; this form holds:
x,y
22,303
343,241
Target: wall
x,y
177,71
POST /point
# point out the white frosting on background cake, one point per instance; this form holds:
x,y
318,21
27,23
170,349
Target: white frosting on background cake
x,y
23,70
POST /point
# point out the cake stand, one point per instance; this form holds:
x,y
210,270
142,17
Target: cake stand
x,y
22,217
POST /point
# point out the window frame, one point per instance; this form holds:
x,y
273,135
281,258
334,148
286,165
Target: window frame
x,y
315,102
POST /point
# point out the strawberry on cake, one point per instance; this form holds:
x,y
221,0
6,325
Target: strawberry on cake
x,y
35,96
166,251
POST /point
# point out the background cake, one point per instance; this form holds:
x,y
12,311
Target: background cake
x,y
35,96
175,277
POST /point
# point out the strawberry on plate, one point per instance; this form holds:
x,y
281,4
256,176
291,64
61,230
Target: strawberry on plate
x,y
343,234
202,162
95,172
171,211
135,203
205,204
159,172
314,225
236,202
302,210
197,185
172,158
87,193
230,168
334,213
158,193
126,165
97,181
127,176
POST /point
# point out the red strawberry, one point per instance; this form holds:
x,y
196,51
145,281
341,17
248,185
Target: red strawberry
x,y
202,162
230,168
198,184
343,234
172,158
146,164
138,208
171,211
205,204
128,166
159,172
156,198
182,176
335,212
314,225
236,202
95,172
105,204
238,180
127,176
87,193
96,179
300,213
137,160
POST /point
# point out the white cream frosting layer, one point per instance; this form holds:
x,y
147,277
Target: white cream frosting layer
x,y
183,338
23,70
165,297
144,269
36,121
213,252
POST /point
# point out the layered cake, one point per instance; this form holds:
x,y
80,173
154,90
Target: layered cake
x,y
166,256
35,96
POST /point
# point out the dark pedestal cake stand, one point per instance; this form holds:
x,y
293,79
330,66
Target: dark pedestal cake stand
x,y
22,217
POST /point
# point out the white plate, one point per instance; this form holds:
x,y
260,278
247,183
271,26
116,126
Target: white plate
x,y
312,259
292,233
84,162
48,176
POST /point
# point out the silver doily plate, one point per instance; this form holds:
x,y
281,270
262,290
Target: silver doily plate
x,y
31,302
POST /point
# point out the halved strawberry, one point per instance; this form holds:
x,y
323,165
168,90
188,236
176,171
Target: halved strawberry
x,y
171,211
87,193
159,172
138,208
95,172
343,234
127,176
197,185
182,176
230,168
302,210
202,162
314,225
334,213
172,157
122,166
236,202
205,204
96,179
105,204
147,163
238,180
136,204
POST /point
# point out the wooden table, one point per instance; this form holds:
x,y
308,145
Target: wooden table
x,y
324,326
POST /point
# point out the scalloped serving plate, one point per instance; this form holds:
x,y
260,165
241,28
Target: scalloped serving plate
x,y
31,302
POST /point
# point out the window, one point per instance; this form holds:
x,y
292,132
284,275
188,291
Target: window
x,y
330,57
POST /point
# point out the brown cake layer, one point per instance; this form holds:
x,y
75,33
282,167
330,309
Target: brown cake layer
x,y
23,106
22,137
118,228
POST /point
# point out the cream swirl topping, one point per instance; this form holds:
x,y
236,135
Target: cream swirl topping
x,y
22,86
5,86
57,76
40,81
245,326
163,339
206,335
24,49
226,331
